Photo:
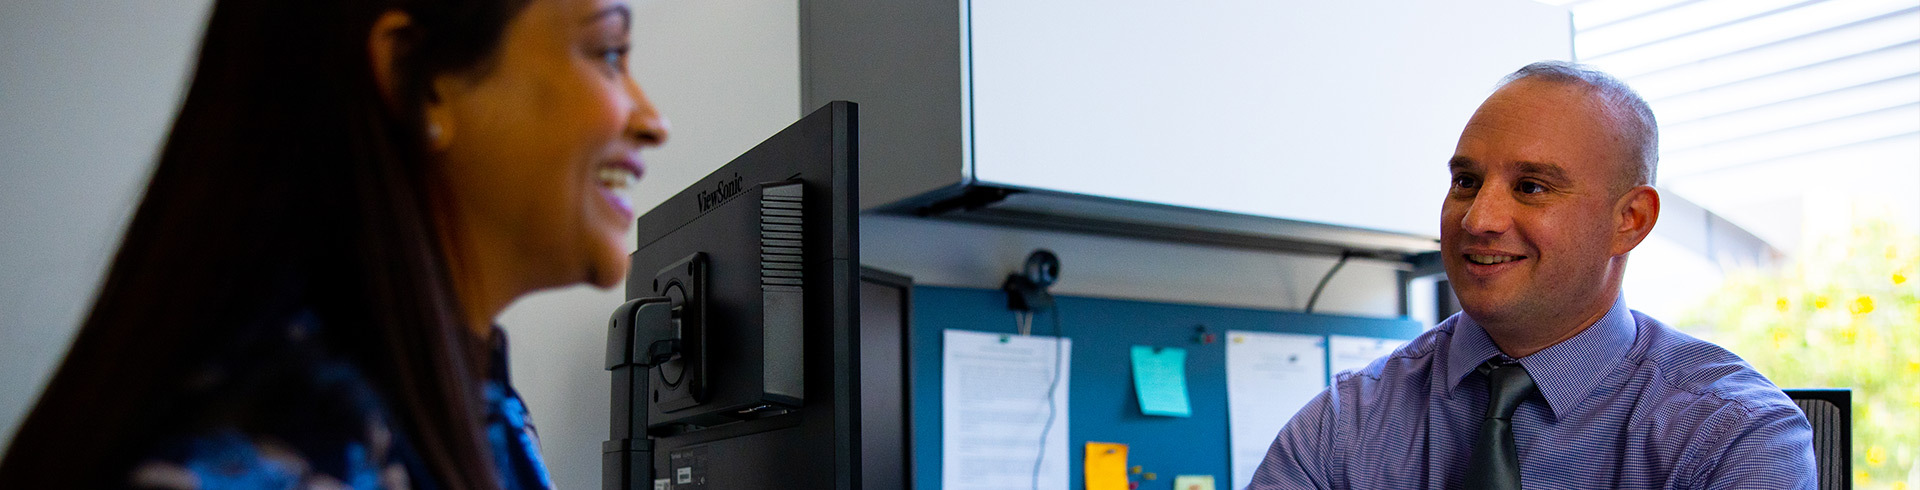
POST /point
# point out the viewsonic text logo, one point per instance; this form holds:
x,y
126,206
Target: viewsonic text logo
x,y
723,190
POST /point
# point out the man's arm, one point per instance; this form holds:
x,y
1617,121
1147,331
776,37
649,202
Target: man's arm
x,y
1299,457
1771,448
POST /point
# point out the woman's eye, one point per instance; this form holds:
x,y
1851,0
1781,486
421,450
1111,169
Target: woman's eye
x,y
615,58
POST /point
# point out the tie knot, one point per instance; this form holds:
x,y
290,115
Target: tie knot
x,y
1507,385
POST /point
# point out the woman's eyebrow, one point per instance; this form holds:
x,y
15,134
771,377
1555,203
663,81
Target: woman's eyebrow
x,y
626,15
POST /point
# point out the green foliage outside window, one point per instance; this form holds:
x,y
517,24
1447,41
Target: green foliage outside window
x,y
1844,314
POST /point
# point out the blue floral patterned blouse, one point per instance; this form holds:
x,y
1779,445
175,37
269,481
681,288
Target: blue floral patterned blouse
x,y
313,421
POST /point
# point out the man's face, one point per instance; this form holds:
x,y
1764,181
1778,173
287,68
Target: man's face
x,y
1528,228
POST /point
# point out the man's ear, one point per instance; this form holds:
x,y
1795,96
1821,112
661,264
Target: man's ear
x,y
1635,214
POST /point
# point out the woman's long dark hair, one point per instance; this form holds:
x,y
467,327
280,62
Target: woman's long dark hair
x,y
286,185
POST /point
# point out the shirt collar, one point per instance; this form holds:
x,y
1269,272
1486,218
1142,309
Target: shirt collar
x,y
1565,372
497,355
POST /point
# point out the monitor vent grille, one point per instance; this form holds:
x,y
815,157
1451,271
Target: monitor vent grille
x,y
781,228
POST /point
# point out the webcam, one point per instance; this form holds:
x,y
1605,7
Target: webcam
x,y
1027,289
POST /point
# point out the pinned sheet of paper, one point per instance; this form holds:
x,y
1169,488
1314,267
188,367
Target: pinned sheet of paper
x,y
1269,377
1351,352
1160,380
996,413
1106,466
1193,482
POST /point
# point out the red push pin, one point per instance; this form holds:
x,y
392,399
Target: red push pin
x,y
1200,334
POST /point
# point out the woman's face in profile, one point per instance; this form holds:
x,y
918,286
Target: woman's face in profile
x,y
537,149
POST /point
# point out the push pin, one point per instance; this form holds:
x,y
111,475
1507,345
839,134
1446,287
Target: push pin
x,y
1200,335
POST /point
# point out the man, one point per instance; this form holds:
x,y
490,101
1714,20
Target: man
x,y
1546,379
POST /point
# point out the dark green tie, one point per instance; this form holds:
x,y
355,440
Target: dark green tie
x,y
1496,464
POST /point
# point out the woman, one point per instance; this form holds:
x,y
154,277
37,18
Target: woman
x,y
350,194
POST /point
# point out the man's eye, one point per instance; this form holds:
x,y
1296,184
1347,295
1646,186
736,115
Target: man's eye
x,y
1530,187
1465,182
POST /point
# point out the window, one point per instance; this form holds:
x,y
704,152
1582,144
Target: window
x,y
1799,122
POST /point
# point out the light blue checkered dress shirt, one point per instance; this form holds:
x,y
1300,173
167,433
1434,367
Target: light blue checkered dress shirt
x,y
1628,403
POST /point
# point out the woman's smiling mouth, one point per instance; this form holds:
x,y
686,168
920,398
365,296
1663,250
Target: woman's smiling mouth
x,y
613,178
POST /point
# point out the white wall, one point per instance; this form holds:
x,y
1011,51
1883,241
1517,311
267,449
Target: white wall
x,y
87,91
87,88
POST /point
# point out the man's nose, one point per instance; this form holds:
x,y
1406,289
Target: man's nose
x,y
1491,213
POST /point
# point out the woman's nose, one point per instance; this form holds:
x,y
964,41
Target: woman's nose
x,y
645,124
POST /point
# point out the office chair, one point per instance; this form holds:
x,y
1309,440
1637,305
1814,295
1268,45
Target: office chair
x,y
1831,413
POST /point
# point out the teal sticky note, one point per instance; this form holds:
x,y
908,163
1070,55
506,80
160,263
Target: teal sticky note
x,y
1160,380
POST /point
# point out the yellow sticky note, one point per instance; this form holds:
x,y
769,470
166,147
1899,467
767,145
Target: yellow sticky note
x,y
1106,466
1193,482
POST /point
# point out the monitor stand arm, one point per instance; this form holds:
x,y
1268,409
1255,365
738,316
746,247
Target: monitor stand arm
x,y
626,458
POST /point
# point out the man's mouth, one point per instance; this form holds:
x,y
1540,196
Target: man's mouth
x,y
1492,259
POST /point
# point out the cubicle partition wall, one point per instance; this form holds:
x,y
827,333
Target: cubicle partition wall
x,y
1103,404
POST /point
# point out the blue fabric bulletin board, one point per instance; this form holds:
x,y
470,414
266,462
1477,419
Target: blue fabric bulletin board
x,y
1101,398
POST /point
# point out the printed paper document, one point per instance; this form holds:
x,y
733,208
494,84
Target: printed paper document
x,y
1357,352
995,411
1269,377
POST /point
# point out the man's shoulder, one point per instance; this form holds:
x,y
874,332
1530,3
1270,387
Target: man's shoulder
x,y
1414,357
1739,414
1692,365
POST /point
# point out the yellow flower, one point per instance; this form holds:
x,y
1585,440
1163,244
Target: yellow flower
x,y
1860,478
1899,278
1820,302
1876,455
1781,304
1899,485
1913,367
1861,306
1849,333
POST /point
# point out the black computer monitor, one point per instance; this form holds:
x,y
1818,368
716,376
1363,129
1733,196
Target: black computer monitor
x,y
736,359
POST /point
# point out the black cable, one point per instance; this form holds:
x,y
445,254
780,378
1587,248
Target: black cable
x,y
1323,280
1058,339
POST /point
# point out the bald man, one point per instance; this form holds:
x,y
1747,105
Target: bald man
x,y
1545,379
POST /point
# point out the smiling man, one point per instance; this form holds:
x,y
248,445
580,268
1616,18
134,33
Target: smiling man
x,y
1546,379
